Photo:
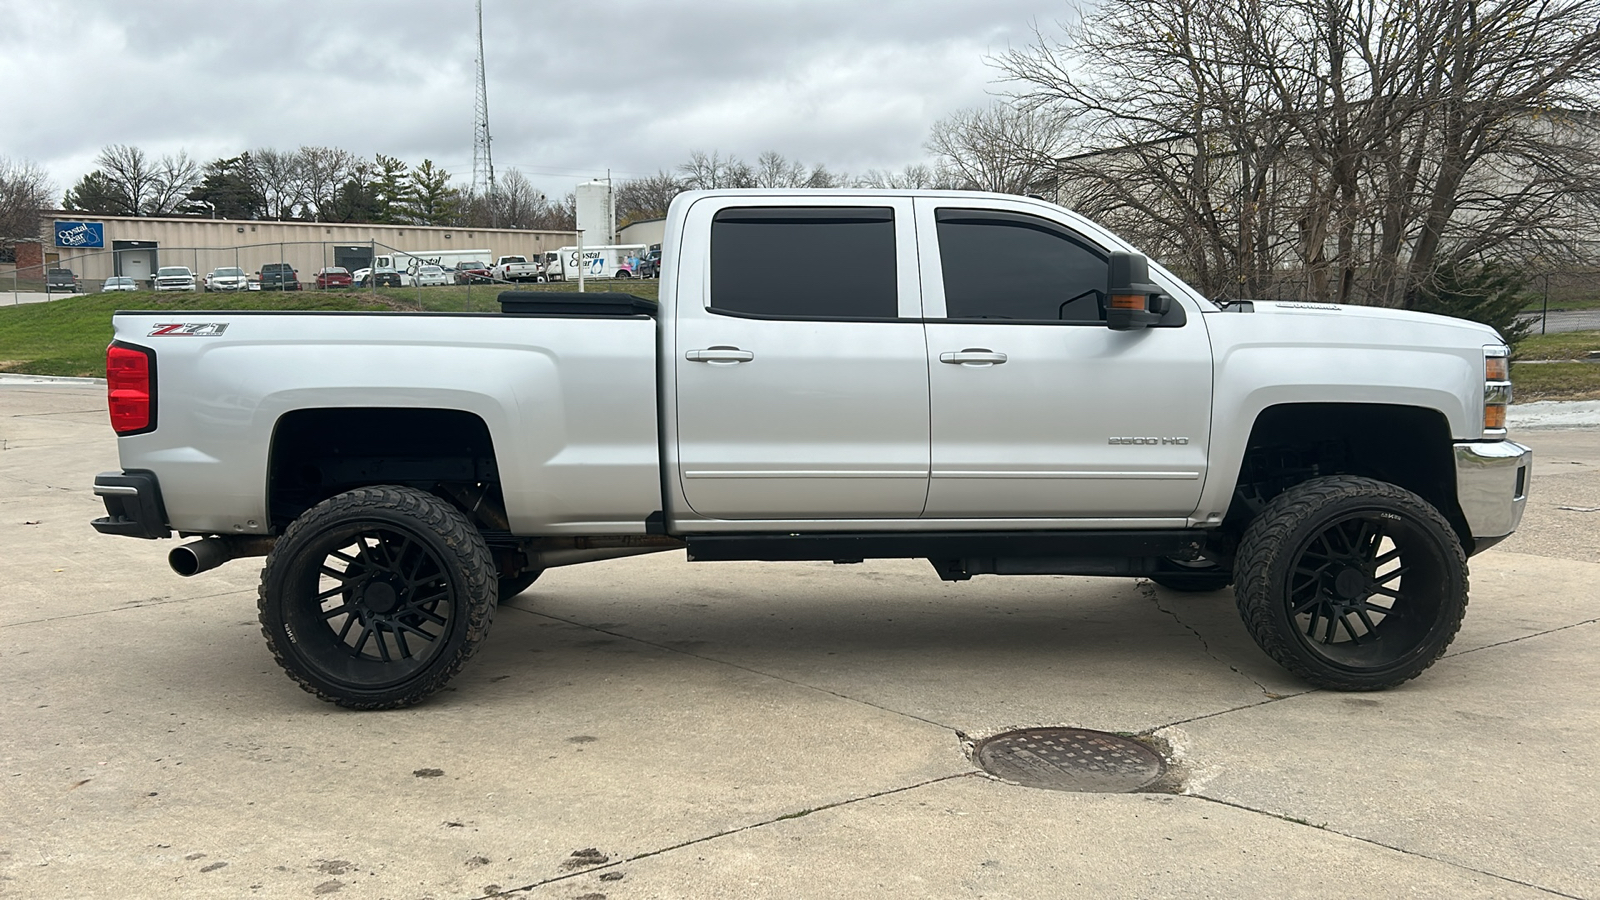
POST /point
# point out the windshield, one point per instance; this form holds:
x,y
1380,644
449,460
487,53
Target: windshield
x,y
431,270
166,271
229,273
337,271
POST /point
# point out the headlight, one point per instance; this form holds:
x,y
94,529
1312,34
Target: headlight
x,y
1496,388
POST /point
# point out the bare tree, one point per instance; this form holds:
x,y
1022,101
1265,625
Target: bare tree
x,y
123,182
1003,147
280,176
176,176
703,172
24,191
913,177
646,198
1345,150
323,171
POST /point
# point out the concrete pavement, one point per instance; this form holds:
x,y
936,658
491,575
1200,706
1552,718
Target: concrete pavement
x,y
649,728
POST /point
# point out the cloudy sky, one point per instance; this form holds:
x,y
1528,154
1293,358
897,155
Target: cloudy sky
x,y
575,88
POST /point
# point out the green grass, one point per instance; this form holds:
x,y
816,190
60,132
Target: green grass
x,y
1555,381
69,336
1556,305
1565,345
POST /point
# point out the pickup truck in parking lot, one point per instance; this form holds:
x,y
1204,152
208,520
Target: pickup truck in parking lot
x,y
988,382
515,268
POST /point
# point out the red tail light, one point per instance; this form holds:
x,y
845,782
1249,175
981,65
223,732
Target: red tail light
x,y
131,388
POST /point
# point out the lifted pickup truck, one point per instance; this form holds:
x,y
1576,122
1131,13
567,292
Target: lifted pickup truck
x,y
988,382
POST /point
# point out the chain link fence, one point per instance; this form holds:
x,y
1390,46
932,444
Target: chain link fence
x,y
312,266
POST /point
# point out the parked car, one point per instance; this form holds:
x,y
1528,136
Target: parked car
x,y
473,271
279,277
431,276
227,279
174,278
118,283
333,277
650,264
62,280
380,277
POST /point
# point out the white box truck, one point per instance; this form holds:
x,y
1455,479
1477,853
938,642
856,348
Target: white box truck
x,y
407,262
616,261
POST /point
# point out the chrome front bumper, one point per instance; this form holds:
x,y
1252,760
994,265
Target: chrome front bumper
x,y
1492,481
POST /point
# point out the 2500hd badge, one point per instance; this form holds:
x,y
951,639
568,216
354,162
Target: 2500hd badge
x,y
1148,440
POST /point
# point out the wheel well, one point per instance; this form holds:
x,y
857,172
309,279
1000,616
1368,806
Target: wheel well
x,y
1404,445
317,453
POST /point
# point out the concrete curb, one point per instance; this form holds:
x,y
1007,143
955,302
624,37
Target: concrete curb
x,y
1554,414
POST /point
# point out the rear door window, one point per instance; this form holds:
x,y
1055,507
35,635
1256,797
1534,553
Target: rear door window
x,y
804,263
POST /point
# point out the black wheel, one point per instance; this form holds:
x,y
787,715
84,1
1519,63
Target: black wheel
x,y
624,273
1201,576
1351,583
516,584
375,598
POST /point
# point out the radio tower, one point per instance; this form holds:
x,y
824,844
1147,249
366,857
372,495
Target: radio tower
x,y
482,158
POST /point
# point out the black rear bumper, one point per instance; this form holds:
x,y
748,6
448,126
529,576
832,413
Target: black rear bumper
x,y
133,505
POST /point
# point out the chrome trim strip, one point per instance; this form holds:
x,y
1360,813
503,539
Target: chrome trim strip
x,y
115,490
803,473
1148,476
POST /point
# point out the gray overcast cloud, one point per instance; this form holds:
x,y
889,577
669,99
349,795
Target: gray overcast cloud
x,y
574,88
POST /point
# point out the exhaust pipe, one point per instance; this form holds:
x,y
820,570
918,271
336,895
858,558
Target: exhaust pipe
x,y
203,555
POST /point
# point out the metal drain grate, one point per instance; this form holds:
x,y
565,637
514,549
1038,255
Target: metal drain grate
x,y
1070,759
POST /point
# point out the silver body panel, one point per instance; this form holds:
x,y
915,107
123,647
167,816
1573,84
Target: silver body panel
x,y
570,405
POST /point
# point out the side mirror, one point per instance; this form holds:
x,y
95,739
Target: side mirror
x,y
1135,302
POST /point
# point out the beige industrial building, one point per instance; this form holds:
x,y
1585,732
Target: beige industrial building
x,y
98,247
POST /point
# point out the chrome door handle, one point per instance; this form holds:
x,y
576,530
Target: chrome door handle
x,y
973,356
719,355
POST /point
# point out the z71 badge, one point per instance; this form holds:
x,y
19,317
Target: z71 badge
x,y
190,329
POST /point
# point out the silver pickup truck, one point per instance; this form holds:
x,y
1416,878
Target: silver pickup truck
x,y
988,382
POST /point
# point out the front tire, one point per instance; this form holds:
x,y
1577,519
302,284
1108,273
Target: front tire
x,y
1351,583
375,598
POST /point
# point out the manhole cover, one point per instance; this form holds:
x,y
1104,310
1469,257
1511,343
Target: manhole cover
x,y
1070,759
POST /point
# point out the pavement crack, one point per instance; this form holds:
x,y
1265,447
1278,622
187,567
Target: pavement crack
x,y
141,604
1149,589
796,814
750,669
1377,843
1518,640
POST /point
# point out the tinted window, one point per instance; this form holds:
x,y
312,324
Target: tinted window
x,y
804,262
1010,266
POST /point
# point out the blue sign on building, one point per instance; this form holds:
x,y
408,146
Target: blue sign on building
x,y
80,234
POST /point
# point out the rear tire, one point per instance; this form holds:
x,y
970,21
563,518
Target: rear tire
x,y
1351,583
375,598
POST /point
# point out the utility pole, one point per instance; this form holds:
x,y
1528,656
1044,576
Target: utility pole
x,y
482,158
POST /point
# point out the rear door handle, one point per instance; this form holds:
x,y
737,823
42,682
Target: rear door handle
x,y
973,356
719,355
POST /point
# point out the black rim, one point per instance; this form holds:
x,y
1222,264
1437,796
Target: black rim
x,y
1366,590
372,606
